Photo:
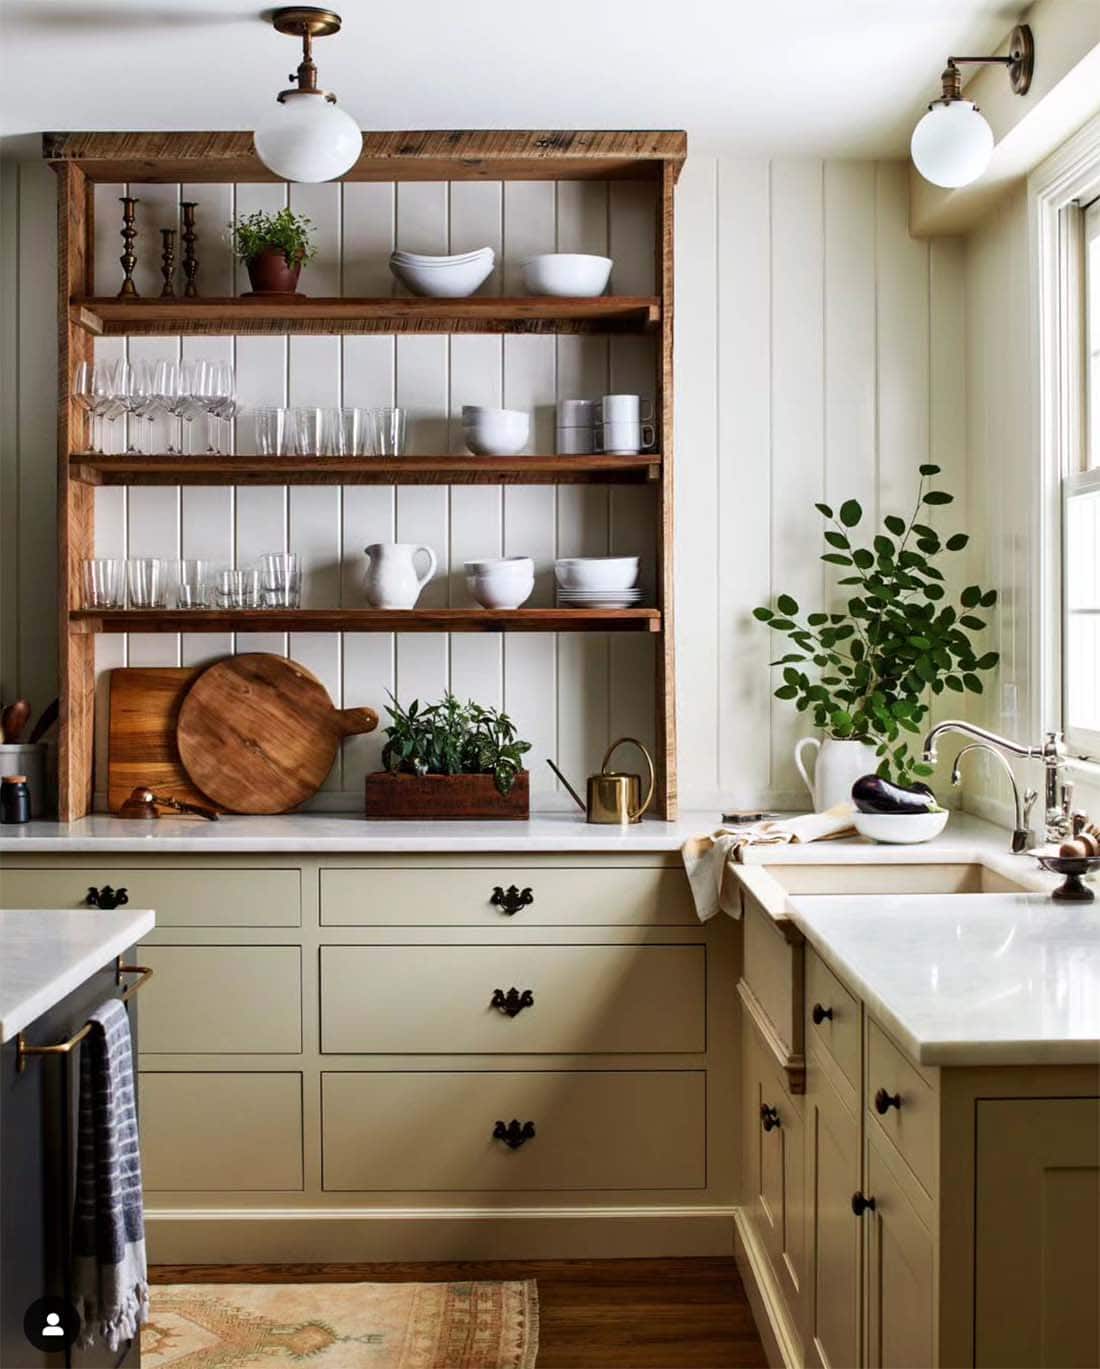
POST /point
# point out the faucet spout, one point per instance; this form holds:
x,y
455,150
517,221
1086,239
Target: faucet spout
x,y
1022,838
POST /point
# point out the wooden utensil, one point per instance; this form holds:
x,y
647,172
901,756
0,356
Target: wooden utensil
x,y
13,720
259,734
143,804
141,737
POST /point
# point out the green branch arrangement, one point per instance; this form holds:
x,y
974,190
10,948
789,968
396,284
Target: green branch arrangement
x,y
877,665
452,738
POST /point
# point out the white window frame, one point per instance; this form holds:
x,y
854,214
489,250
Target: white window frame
x,y
1068,179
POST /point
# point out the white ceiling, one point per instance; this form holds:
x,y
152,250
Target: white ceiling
x,y
823,77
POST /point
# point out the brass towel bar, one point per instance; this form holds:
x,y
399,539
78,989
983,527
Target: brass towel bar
x,y
22,1050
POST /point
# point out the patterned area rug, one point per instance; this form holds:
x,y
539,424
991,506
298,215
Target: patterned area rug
x,y
342,1326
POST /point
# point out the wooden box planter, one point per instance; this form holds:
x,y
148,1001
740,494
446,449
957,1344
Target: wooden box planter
x,y
446,796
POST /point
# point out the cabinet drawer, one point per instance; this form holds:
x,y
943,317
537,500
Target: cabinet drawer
x,y
222,1000
461,896
773,969
911,1127
181,898
434,1131
838,1035
437,999
220,1132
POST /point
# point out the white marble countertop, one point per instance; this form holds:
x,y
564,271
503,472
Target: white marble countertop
x,y
968,979
46,953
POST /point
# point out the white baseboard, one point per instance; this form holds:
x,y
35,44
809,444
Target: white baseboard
x,y
769,1308
348,1235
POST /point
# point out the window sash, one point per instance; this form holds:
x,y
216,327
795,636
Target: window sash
x,y
1081,610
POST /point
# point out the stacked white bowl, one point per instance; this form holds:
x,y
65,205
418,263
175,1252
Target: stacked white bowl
x,y
573,274
443,277
495,432
597,581
501,581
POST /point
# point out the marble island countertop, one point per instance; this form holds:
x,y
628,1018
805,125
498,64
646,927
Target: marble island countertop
x,y
968,979
46,953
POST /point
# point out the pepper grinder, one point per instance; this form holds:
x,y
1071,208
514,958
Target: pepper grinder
x,y
128,260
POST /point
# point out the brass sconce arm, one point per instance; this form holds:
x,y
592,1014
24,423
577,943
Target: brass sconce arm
x,y
1020,61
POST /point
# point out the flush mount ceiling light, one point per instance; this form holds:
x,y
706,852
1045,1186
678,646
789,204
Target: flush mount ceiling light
x,y
952,144
307,138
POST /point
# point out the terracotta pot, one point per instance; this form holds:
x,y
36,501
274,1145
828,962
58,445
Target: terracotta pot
x,y
270,275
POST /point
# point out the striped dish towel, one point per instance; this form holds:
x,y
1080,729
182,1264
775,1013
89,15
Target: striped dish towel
x,y
110,1285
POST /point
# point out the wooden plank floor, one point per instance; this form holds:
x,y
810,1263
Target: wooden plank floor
x,y
594,1314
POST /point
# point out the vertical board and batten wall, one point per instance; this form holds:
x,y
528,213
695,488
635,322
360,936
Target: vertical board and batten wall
x,y
819,353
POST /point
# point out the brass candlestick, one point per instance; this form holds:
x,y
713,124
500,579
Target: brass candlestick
x,y
168,260
128,234
190,261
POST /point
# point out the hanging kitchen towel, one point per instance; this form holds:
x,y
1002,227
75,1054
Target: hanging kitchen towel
x,y
110,1284
707,859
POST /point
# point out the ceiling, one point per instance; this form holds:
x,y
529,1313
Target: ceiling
x,y
816,77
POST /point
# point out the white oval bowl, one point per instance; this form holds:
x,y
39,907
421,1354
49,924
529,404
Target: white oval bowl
x,y
419,259
597,572
572,274
900,829
501,565
500,592
452,280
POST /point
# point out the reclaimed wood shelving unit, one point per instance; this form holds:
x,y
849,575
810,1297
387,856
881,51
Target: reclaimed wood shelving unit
x,y
81,160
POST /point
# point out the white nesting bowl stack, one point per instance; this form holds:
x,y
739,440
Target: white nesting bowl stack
x,y
597,581
443,277
501,581
495,432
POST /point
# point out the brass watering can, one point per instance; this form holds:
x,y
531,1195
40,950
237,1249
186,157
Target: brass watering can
x,y
614,795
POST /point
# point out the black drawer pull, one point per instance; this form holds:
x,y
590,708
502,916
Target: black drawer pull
x,y
106,897
885,1101
515,1134
511,900
769,1117
513,1002
860,1204
820,1014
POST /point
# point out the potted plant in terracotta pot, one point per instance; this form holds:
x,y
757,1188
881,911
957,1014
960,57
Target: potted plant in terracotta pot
x,y
449,760
274,248
867,674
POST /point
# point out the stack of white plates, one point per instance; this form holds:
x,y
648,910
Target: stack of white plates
x,y
599,598
443,277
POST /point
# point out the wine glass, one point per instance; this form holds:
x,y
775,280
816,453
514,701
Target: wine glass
x,y
220,399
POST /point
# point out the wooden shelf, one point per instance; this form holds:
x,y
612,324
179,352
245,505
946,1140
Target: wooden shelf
x,y
109,317
132,468
86,621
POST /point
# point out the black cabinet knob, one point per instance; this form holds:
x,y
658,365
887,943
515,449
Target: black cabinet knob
x,y
885,1101
820,1014
511,900
106,897
513,1002
860,1204
514,1134
769,1118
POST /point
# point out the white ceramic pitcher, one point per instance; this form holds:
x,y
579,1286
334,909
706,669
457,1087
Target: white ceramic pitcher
x,y
391,580
839,764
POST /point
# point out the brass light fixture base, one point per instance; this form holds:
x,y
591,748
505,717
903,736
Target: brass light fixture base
x,y
1021,55
297,20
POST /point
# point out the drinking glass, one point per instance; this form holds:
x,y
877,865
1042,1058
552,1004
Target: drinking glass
x,y
193,583
309,431
147,581
220,399
273,431
103,582
237,589
388,427
281,580
346,432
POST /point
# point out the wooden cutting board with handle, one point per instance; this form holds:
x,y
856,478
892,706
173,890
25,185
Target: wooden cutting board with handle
x,y
259,733
141,733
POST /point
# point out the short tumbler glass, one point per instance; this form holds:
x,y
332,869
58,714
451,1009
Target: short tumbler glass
x,y
103,582
273,431
238,589
193,583
281,580
388,429
147,581
309,431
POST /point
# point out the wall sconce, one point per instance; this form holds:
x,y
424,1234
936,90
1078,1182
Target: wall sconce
x,y
307,138
953,143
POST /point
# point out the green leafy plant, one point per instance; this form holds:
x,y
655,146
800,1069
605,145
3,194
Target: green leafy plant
x,y
452,738
900,641
287,232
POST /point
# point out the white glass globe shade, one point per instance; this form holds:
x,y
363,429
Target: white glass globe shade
x,y
952,144
307,138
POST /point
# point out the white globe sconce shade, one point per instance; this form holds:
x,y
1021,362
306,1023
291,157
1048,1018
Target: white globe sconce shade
x,y
952,144
307,138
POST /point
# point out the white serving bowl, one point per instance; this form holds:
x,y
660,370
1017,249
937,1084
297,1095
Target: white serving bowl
x,y
501,591
573,274
521,566
597,572
419,259
902,829
495,432
443,280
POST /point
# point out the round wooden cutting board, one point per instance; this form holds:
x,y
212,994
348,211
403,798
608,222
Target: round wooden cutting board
x,y
259,734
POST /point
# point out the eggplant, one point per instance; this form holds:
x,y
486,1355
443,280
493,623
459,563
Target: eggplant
x,y
873,794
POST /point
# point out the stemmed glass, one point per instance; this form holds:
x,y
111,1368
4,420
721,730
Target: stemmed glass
x,y
94,390
220,398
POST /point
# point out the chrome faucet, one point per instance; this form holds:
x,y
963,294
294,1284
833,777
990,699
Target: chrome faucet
x,y
1058,792
1022,836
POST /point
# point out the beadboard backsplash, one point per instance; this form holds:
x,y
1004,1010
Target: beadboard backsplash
x,y
819,353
